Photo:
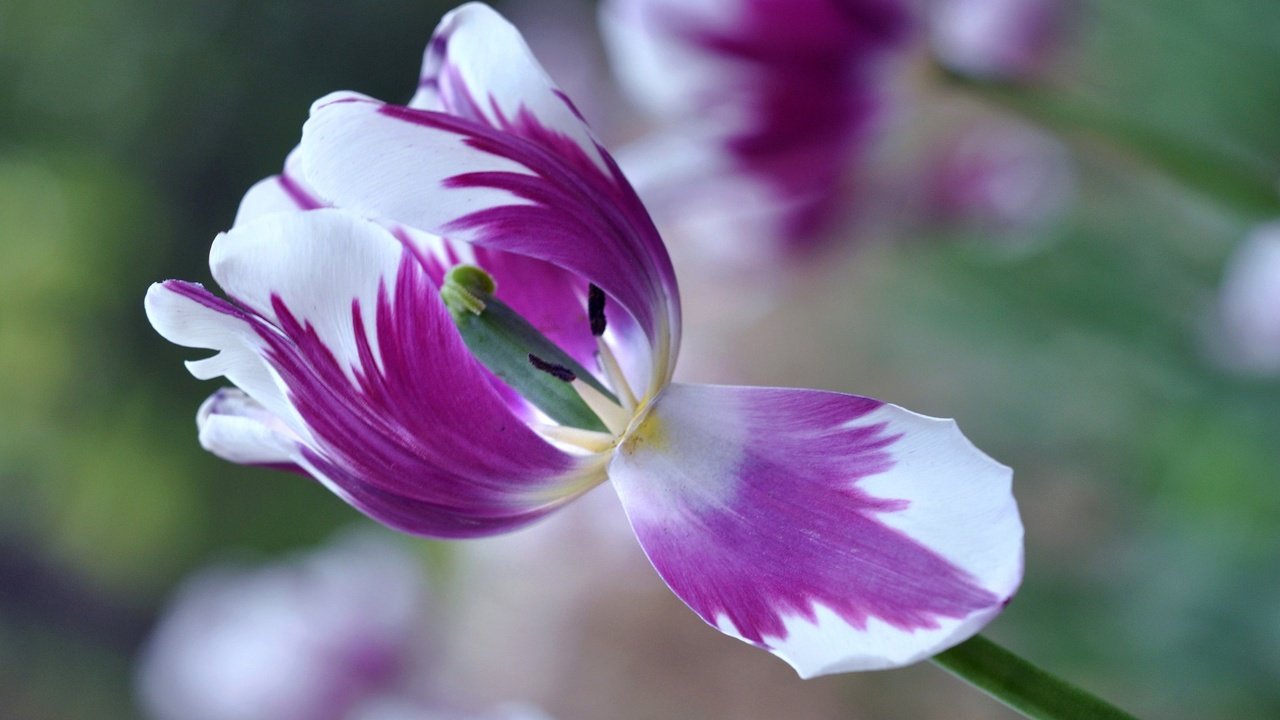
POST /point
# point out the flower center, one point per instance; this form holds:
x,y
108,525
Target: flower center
x,y
587,413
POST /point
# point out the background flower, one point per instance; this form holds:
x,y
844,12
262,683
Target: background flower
x,y
1245,329
1005,39
344,632
763,109
308,639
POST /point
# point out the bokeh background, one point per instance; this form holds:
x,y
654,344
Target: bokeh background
x,y
1076,345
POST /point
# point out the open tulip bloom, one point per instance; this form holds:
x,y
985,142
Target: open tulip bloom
x,y
458,317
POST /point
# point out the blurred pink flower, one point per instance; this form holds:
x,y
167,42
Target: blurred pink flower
x,y
998,39
306,639
1000,178
339,633
763,109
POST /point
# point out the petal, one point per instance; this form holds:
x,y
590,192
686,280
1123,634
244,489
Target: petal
x,y
838,532
524,184
238,428
544,294
477,66
189,315
286,192
453,177
398,417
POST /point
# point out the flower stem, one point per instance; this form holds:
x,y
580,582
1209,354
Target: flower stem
x,y
1023,686
1245,184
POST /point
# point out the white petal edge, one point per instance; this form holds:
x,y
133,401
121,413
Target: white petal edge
x,y
237,428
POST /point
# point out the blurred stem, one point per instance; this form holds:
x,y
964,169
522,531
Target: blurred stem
x,y
1023,686
1244,185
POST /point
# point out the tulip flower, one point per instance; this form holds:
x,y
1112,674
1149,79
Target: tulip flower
x,y
458,316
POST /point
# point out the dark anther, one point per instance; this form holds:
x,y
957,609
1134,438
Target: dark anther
x,y
595,309
559,372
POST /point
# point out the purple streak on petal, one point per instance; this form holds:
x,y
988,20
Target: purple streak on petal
x,y
575,217
420,441
198,293
569,104
305,199
792,527
806,67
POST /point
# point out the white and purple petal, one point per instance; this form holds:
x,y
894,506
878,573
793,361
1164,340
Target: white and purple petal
x,y
238,428
504,172
836,531
285,192
389,408
477,66
548,297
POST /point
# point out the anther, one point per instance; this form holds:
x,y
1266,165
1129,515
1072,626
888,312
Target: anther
x,y
558,372
595,309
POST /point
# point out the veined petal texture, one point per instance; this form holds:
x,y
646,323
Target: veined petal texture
x,y
836,531
337,332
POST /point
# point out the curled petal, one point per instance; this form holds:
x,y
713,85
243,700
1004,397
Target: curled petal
x,y
391,411
189,315
836,531
238,428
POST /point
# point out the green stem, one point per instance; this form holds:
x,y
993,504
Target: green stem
x,y
1243,183
1023,686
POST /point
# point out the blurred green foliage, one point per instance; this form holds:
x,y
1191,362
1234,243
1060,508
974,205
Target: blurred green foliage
x,y
1148,477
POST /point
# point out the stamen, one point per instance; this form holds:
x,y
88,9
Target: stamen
x,y
588,440
595,313
616,378
559,372
614,417
595,309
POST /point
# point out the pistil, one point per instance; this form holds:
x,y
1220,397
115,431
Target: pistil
x,y
588,440
549,378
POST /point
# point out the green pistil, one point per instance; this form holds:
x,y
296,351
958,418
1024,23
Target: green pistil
x,y
503,342
465,290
